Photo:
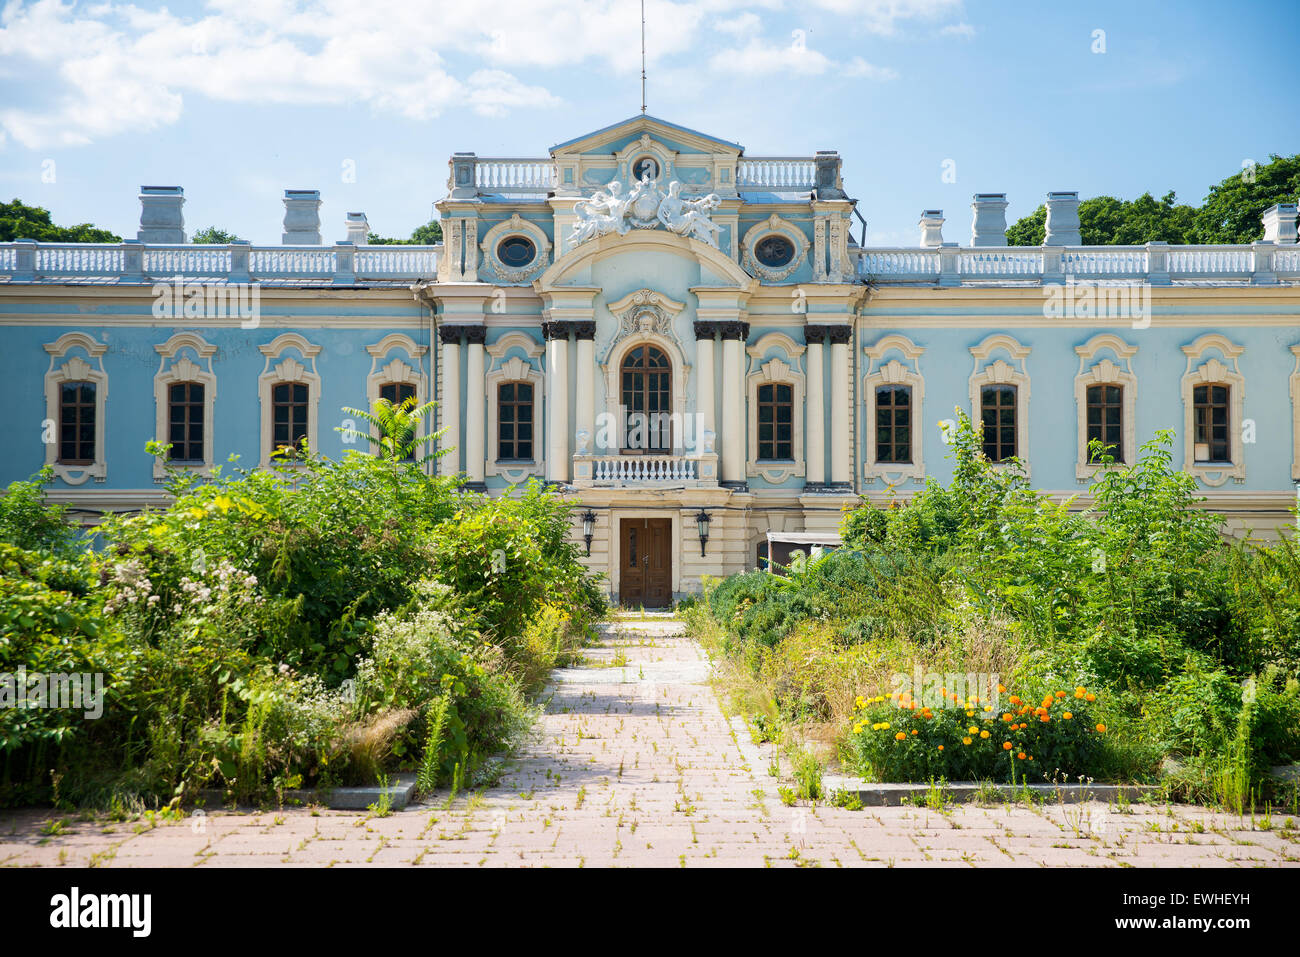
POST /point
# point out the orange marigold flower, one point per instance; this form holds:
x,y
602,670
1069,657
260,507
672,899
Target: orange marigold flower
x,y
941,747
965,740
900,736
1060,694
984,734
1068,715
1090,696
1044,718
1006,745
1007,716
1002,689
1015,699
1021,755
914,731
1080,691
1101,729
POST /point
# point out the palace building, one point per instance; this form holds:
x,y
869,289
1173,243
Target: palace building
x,y
691,342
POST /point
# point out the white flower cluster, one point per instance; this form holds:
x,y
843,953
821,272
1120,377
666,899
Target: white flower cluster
x,y
133,585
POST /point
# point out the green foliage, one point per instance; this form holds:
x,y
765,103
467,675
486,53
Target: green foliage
x,y
310,624
211,235
396,434
1230,213
1138,597
20,221
430,234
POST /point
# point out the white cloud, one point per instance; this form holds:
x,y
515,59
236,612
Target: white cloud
x,y
958,30
89,71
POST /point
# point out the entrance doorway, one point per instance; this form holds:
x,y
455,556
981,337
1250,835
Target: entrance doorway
x,y
645,562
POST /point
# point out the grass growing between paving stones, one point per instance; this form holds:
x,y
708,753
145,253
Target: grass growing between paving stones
x,y
982,631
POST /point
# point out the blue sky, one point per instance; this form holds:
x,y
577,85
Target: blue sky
x,y
237,100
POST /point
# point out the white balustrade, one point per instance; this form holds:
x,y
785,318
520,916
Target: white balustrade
x,y
1000,263
1286,260
290,262
397,262
1107,261
79,259
530,175
902,263
199,261
643,469
776,172
1210,261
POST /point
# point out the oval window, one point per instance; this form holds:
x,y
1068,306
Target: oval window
x,y
516,251
774,251
646,165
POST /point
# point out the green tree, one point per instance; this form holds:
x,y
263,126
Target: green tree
x,y
430,234
1107,221
396,430
20,221
1231,213
212,235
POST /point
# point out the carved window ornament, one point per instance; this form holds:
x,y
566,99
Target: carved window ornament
x,y
185,357
774,360
513,358
894,360
282,369
1211,361
75,357
497,241
1105,360
395,360
634,159
774,227
1012,371
646,317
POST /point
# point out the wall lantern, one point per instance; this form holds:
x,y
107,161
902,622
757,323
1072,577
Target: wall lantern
x,y
588,527
702,523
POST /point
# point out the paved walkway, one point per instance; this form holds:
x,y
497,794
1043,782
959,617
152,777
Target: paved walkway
x,y
636,765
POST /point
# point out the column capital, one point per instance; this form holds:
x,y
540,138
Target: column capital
x,y
557,329
706,329
450,335
476,335
584,330
734,330
840,334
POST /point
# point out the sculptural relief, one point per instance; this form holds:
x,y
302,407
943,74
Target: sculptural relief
x,y
646,206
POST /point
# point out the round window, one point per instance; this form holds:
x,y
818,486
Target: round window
x,y
774,251
645,166
516,251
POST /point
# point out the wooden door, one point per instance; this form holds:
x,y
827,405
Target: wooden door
x,y
645,562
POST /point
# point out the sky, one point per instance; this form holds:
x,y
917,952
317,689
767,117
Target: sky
x,y
927,101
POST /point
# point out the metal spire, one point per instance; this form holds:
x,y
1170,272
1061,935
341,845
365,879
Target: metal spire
x,y
643,57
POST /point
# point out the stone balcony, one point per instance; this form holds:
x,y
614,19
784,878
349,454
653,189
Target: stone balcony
x,y
686,470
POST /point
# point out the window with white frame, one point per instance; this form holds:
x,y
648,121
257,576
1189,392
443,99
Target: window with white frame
x,y
76,391
184,395
1105,398
289,396
894,395
775,389
999,396
1214,397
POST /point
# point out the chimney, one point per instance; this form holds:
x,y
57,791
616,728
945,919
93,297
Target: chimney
x,y
161,217
301,217
931,228
1063,220
358,229
1280,223
989,224
826,176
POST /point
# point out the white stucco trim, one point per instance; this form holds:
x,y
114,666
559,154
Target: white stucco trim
x,y
1009,371
776,371
514,369
1295,415
780,226
1214,370
73,368
173,368
281,368
516,225
1105,371
905,371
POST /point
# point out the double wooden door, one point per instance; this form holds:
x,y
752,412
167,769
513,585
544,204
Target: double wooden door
x,y
645,562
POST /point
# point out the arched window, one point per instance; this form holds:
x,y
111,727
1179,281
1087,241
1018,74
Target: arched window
x,y
646,396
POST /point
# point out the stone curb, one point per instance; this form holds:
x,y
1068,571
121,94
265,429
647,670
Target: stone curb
x,y
893,795
401,790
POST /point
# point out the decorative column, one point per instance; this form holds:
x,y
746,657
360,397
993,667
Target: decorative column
x,y
841,392
475,405
556,335
815,440
449,409
705,403
734,335
586,386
